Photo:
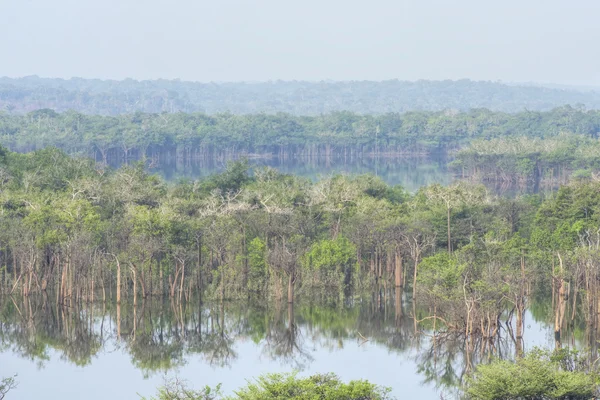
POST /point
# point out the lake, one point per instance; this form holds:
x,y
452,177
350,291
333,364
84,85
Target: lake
x,y
109,351
410,172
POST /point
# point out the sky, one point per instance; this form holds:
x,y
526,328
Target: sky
x,y
543,41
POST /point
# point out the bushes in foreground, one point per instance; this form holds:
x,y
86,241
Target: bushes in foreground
x,y
540,375
283,386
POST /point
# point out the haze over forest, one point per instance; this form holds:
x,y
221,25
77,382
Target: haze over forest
x,y
305,59
402,193
550,41
93,96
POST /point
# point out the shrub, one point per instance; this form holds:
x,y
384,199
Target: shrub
x,y
317,387
540,375
283,387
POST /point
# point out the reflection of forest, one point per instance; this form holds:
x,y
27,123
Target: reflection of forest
x,y
160,335
411,172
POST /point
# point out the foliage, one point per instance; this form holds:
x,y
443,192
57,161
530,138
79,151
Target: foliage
x,y
538,375
326,387
68,225
442,276
284,386
257,251
333,258
511,142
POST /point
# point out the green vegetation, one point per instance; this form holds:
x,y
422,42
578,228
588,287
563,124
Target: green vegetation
x,y
530,160
71,229
346,134
282,386
539,375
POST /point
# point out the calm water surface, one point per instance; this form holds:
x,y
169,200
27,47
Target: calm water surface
x,y
410,172
107,351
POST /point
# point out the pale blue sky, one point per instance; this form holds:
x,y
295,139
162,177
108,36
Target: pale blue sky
x,y
232,40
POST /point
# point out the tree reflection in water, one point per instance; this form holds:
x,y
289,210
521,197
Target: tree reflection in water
x,y
160,335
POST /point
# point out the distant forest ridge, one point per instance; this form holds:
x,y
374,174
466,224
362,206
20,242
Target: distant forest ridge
x,y
109,97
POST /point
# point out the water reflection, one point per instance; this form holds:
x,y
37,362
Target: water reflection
x,y
410,172
165,337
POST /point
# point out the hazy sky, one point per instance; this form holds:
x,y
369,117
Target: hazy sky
x,y
231,40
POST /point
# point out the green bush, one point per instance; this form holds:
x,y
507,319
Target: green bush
x,y
540,375
316,387
284,386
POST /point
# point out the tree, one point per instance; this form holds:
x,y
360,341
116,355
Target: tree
x,y
333,260
284,386
456,195
258,268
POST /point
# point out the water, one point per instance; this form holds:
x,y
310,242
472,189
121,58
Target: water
x,y
410,172
107,351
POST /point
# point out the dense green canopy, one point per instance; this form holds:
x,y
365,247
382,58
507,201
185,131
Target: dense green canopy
x,y
200,134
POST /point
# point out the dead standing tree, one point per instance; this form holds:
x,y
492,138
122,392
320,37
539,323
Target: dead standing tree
x,y
417,243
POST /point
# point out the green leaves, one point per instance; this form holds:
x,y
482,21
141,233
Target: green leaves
x,y
63,219
331,254
321,387
257,264
538,375
442,275
333,260
282,387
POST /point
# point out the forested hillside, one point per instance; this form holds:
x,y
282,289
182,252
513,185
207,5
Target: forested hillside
x,y
93,96
340,133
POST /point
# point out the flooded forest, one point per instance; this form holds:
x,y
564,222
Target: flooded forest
x,y
425,251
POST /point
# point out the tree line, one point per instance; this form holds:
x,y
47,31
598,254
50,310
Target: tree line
x,y
94,96
341,134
